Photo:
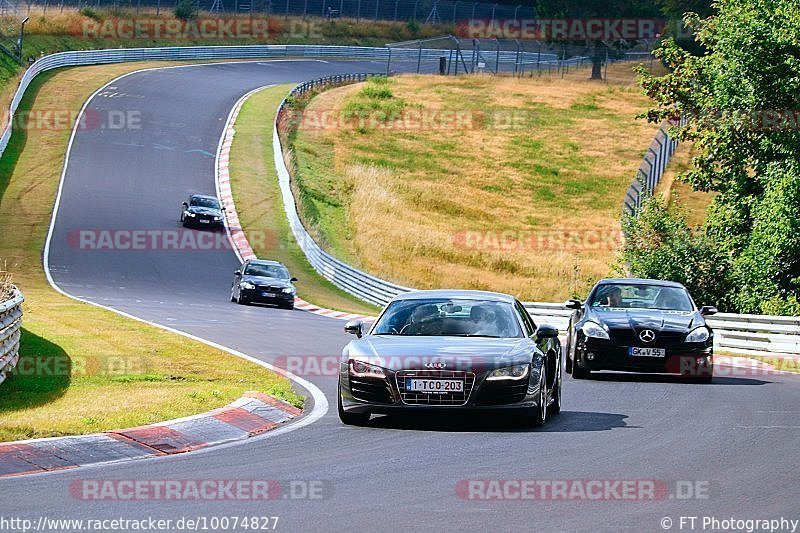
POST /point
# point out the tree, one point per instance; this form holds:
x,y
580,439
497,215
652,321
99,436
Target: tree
x,y
739,104
601,9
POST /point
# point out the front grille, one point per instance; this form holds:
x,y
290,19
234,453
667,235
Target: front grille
x,y
630,337
205,216
373,390
269,288
446,398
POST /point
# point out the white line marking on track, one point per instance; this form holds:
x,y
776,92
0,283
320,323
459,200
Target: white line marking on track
x,y
320,401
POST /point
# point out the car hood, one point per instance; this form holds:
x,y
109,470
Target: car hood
x,y
262,280
654,319
455,353
204,210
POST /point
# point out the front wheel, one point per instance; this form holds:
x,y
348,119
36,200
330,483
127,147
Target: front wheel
x,y
350,419
539,414
579,371
556,407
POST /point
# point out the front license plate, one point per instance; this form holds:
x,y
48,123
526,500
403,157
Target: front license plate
x,y
434,385
268,294
204,221
647,352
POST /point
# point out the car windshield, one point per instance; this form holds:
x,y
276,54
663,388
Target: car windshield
x,y
266,271
641,296
204,202
451,317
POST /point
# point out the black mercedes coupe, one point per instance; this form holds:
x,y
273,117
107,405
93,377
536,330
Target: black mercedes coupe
x,y
639,325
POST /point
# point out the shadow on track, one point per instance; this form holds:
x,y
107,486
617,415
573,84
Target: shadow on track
x,y
625,377
566,421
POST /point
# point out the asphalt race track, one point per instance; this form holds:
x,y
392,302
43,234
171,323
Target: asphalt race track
x,y
738,435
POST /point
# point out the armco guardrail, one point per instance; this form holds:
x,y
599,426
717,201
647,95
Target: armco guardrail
x,y
10,323
347,278
650,171
265,51
736,333
748,333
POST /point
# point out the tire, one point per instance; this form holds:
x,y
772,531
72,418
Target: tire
x,y
350,419
290,306
568,358
540,412
579,371
556,407
233,298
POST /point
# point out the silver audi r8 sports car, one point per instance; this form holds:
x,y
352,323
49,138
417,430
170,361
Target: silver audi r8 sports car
x,y
448,350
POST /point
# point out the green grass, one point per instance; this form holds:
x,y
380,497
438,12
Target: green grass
x,y
258,201
83,369
529,155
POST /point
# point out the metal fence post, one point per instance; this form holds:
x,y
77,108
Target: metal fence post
x,y
395,9
419,57
497,59
455,5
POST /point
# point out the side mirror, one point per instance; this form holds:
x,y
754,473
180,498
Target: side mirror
x,y
573,303
293,279
237,272
354,327
708,310
546,331
184,204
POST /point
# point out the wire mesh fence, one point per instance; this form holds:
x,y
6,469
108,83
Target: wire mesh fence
x,y
450,55
427,11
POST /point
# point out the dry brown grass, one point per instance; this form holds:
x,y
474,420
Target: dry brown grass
x,y
397,203
6,285
694,204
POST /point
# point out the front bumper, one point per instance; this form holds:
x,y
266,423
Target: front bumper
x,y
688,359
385,395
260,296
199,223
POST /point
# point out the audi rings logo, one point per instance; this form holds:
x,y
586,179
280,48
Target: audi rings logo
x,y
437,365
647,335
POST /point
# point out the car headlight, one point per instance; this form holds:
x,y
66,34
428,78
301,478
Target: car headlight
x,y
594,330
217,218
246,285
509,372
289,290
698,335
365,370
190,214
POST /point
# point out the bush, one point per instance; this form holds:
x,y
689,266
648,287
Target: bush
x,y
89,11
185,9
766,273
660,244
